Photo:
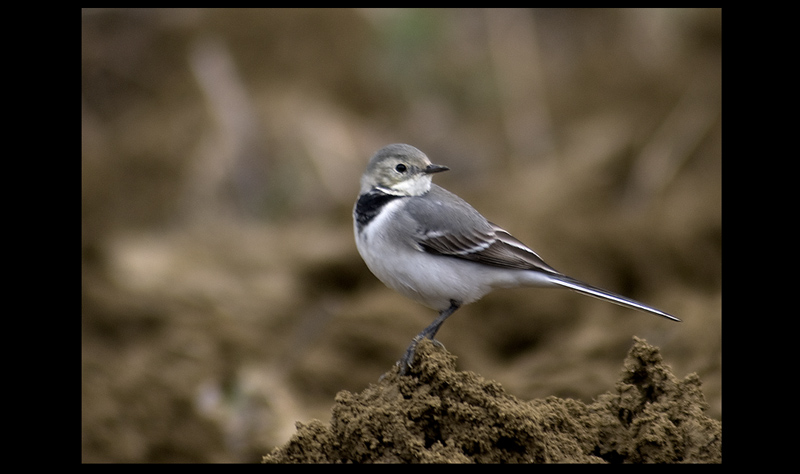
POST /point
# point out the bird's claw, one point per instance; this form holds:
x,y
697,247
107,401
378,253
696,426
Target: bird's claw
x,y
407,360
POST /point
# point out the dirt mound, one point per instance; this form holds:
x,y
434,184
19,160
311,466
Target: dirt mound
x,y
437,414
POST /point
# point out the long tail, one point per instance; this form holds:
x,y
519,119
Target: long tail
x,y
590,290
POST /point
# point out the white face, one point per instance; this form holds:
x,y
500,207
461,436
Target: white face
x,y
399,175
414,185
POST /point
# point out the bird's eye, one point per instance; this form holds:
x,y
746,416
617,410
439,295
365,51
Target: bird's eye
x,y
401,168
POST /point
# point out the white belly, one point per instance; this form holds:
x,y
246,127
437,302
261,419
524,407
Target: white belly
x,y
432,280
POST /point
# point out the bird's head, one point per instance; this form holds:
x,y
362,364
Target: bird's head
x,y
401,170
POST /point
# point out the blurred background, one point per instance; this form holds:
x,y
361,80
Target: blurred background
x,y
223,298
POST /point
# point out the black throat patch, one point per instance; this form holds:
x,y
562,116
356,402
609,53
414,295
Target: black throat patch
x,y
369,205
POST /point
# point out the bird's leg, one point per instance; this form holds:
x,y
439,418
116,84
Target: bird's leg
x,y
429,332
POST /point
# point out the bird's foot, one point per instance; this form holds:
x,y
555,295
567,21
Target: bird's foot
x,y
407,360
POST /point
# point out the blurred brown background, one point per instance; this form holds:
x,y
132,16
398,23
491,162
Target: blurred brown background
x,y
223,298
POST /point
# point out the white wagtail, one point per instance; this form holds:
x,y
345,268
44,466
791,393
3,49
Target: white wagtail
x,y
431,246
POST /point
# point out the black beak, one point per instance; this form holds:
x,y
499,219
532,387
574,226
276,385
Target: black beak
x,y
430,169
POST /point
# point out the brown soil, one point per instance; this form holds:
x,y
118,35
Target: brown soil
x,y
437,414
222,295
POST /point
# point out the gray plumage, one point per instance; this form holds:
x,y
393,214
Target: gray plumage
x,y
433,247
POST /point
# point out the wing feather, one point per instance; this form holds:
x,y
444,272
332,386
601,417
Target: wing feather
x,y
447,225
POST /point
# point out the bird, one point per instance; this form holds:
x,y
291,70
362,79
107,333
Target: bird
x,y
434,248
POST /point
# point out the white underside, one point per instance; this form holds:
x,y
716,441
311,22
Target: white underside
x,y
433,280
